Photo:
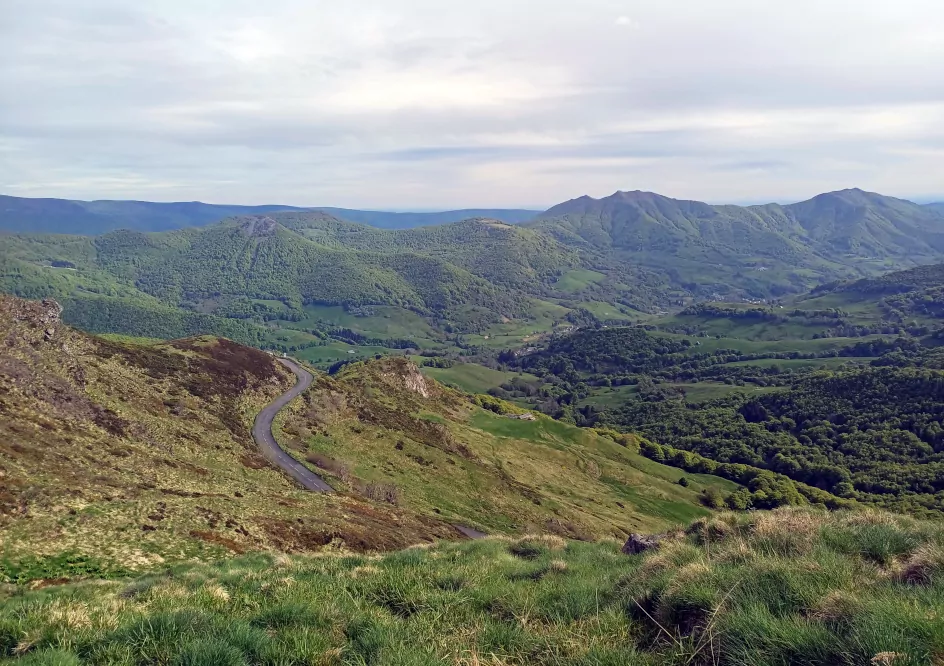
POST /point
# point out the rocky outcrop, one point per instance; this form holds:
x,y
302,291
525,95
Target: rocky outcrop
x,y
640,543
30,321
406,375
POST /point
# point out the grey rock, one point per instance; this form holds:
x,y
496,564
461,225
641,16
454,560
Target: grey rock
x,y
640,543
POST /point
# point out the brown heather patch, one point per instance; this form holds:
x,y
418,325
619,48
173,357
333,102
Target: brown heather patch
x,y
219,540
923,566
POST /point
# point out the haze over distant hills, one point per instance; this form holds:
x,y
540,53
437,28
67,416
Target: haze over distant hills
x,y
63,216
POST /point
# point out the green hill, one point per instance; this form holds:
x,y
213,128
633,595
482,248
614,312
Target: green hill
x,y
914,297
251,268
499,252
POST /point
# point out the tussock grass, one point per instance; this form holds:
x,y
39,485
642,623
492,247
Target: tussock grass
x,y
788,587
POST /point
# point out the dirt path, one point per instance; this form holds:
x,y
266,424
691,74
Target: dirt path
x,y
262,433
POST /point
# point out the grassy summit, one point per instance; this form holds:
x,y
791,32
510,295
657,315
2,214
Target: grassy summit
x,y
788,587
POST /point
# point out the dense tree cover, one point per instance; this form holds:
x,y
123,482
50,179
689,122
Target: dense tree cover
x,y
873,434
253,269
762,489
870,432
618,356
114,315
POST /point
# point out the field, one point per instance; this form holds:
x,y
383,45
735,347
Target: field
x,y
609,312
382,322
757,589
333,351
578,280
801,363
695,392
710,344
471,377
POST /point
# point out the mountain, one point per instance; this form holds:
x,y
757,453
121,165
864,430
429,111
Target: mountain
x,y
63,216
758,251
870,226
936,207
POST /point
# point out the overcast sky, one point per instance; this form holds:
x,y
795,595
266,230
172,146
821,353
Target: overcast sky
x,y
420,104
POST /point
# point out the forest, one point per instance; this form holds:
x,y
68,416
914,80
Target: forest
x,y
865,431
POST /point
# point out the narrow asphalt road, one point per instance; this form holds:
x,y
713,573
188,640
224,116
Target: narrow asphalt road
x,y
262,433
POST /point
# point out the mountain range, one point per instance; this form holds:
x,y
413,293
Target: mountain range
x,y
761,251
636,250
64,216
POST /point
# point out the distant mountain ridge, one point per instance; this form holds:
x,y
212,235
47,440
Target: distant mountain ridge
x,y
92,218
761,251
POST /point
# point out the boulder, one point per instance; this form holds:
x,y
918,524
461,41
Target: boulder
x,y
640,543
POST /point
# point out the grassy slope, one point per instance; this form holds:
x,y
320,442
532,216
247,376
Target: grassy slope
x,y
138,454
135,454
471,377
791,587
448,458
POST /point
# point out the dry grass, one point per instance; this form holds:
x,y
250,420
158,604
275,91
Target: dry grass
x,y
923,566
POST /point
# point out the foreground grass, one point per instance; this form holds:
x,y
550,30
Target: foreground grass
x,y
789,587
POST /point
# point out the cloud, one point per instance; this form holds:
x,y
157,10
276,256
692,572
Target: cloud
x,y
412,103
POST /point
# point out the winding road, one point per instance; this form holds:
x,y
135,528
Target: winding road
x,y
262,433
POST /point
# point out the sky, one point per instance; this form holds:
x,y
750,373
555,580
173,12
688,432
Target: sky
x,y
426,104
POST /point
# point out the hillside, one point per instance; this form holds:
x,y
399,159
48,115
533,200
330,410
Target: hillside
x,y
246,268
89,218
914,297
135,454
499,252
897,282
760,251
867,429
130,454
758,589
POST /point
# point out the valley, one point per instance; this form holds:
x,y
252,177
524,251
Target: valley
x,y
776,433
